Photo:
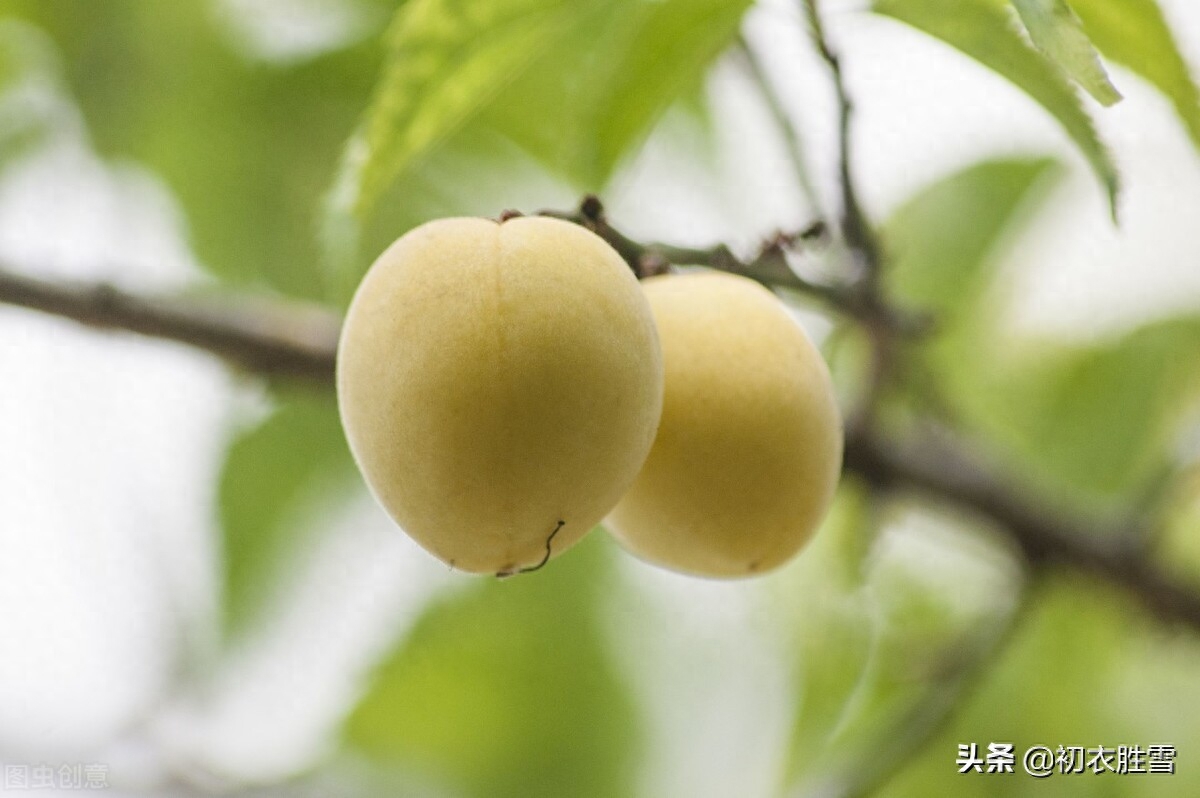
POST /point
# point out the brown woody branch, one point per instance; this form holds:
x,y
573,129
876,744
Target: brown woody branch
x,y
793,140
282,342
263,339
857,232
1045,536
769,266
856,229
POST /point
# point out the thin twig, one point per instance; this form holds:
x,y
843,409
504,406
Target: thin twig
x,y
793,141
769,267
859,236
856,230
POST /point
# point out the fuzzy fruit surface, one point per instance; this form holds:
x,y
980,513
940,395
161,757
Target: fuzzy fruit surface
x,y
496,379
749,449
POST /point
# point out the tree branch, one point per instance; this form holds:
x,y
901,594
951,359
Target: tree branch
x,y
768,267
857,232
1046,537
793,142
265,339
855,228
278,341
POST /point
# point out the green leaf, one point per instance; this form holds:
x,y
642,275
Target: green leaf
x,y
1097,420
593,97
246,147
278,480
446,60
507,690
944,240
1093,421
985,32
1057,32
1083,669
878,656
24,51
1179,544
29,70
1134,33
832,626
576,84
1054,684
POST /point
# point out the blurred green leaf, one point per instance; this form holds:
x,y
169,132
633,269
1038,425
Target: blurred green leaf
x,y
446,59
576,84
1083,670
939,604
29,74
1093,420
246,146
476,172
594,95
507,689
885,637
944,239
1134,33
1179,545
1096,420
277,478
1057,32
833,627
985,32
24,49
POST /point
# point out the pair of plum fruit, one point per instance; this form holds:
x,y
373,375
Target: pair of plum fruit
x,y
506,386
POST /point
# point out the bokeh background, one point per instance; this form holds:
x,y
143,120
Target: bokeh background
x,y
196,590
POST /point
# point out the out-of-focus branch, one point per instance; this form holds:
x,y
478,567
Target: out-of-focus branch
x,y
857,231
281,342
261,338
792,139
944,472
855,228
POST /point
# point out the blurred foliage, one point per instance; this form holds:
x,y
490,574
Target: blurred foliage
x,y
1093,421
1083,670
1058,33
886,631
27,57
278,479
508,689
576,84
1130,32
944,241
833,640
512,688
1135,34
1179,544
983,30
246,146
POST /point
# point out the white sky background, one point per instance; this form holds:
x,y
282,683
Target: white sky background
x,y
109,445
